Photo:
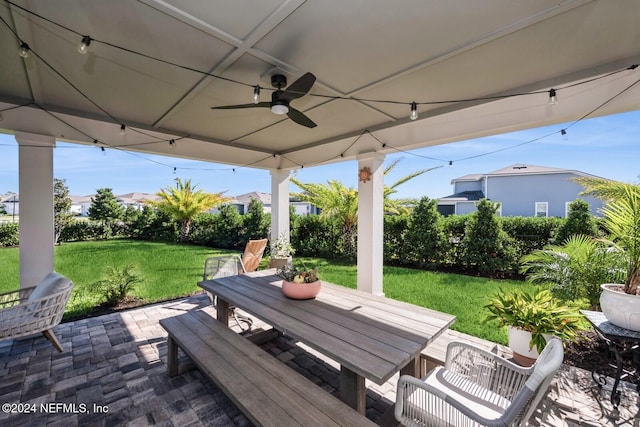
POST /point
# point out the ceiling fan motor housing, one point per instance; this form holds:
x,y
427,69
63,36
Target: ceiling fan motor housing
x,y
278,81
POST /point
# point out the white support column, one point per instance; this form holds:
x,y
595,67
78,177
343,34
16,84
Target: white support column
x,y
35,172
371,224
279,204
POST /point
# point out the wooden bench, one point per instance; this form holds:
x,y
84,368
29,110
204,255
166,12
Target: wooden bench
x,y
267,391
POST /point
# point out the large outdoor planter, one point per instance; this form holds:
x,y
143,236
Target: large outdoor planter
x,y
519,341
619,308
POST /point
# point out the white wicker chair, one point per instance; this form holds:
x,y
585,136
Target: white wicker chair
x,y
36,309
477,388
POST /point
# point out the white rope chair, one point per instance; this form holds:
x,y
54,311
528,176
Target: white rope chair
x,y
35,309
223,266
477,388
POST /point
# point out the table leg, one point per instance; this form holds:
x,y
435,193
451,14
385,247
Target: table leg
x,y
353,391
615,394
172,357
222,311
412,368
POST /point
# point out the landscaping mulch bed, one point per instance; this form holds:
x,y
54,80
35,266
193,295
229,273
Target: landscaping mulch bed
x,y
590,353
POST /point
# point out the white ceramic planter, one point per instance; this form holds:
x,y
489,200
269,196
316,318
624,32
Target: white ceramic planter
x,y
519,341
621,309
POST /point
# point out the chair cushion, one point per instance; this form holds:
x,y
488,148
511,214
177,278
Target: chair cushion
x,y
50,284
479,399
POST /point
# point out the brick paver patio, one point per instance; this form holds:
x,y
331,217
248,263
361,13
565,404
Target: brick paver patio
x,y
113,372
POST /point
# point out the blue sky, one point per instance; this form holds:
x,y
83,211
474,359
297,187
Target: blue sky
x,y
607,146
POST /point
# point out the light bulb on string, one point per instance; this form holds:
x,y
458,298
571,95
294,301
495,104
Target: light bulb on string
x,y
256,94
414,111
552,97
24,50
172,144
83,47
122,129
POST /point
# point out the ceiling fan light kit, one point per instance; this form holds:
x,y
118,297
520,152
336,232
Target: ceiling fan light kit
x,y
280,98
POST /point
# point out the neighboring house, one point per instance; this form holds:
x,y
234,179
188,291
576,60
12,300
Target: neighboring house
x,y
522,190
137,200
10,203
242,202
80,204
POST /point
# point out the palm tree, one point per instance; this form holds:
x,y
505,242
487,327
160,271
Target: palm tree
x,y
183,202
341,203
575,269
335,201
622,221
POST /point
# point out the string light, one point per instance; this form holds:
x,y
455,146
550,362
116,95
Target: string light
x,y
414,111
83,48
552,97
172,143
24,50
563,132
256,94
122,129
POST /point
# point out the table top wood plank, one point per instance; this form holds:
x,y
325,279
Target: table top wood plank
x,y
371,335
347,319
276,313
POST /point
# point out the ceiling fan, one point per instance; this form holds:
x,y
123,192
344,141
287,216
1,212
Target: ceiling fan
x,y
280,98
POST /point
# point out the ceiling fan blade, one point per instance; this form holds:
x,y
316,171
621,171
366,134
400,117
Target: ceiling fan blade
x,y
231,107
298,88
300,118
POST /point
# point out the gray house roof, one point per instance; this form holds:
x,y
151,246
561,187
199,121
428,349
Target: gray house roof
x,y
518,169
464,196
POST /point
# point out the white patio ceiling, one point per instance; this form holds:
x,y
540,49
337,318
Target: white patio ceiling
x,y
401,51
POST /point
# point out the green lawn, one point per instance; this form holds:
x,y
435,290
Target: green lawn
x,y
171,270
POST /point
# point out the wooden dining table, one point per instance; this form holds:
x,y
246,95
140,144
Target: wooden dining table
x,y
371,337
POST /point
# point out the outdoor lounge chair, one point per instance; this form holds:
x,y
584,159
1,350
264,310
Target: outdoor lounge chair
x,y
477,388
230,265
35,309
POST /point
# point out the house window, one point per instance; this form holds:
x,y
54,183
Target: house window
x,y
542,209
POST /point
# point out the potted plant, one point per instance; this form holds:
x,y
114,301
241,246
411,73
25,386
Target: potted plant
x,y
300,283
532,319
281,252
619,302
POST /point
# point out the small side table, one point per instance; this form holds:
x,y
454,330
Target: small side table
x,y
623,344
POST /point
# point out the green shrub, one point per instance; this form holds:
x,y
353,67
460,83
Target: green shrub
x,y
117,284
579,221
9,234
425,241
395,227
256,223
486,247
538,313
575,270
228,229
531,233
313,236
